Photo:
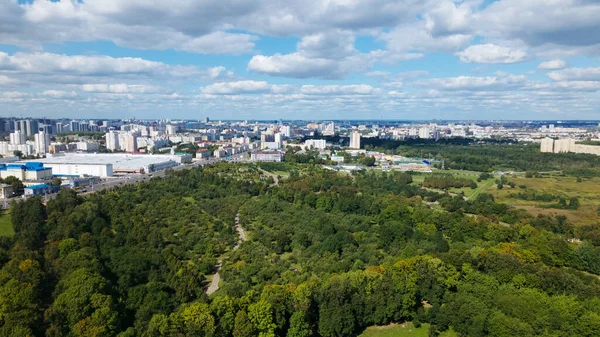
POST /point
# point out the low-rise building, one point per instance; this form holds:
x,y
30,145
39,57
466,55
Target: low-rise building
x,y
41,189
24,172
267,156
6,191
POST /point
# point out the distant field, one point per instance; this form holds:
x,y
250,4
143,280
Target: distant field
x,y
401,330
6,228
587,191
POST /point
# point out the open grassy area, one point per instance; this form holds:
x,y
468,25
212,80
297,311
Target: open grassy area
x,y
189,199
401,330
6,228
586,191
566,186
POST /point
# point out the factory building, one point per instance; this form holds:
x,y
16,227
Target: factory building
x,y
25,172
106,165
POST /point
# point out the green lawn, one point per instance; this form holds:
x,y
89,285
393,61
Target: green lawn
x,y
6,228
401,330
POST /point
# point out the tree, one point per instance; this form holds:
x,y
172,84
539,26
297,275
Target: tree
x,y
194,319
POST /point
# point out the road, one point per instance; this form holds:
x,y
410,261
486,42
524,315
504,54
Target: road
x,y
135,178
214,284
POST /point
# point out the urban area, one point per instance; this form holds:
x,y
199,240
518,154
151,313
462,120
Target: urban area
x,y
86,155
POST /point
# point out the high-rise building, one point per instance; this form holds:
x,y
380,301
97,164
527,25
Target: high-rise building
x,y
355,140
131,142
547,145
74,126
171,129
424,133
112,141
32,127
287,131
42,143
17,138
278,139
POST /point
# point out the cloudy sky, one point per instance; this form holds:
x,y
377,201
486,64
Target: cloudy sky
x,y
301,59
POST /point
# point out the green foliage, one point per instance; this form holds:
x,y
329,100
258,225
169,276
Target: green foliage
x,y
328,255
446,181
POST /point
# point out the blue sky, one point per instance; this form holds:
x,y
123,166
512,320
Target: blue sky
x,y
310,59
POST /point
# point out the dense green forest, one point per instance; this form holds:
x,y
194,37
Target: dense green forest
x,y
328,255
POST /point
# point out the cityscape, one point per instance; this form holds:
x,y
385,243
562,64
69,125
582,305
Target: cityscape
x,y
315,168
81,152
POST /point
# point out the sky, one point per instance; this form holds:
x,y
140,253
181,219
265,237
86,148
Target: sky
x,y
300,59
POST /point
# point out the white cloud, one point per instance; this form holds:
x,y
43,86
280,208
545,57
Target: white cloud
x,y
471,83
299,66
47,63
239,87
119,88
538,22
353,89
551,65
378,73
576,74
58,94
490,53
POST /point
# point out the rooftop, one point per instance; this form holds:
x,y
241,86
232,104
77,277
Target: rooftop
x,y
118,160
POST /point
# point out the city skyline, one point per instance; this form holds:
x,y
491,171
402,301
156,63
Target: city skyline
x,y
270,60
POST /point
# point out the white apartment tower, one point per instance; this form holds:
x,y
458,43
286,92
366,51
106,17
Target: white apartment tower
x,y
287,131
355,140
131,142
547,145
42,143
112,141
424,133
17,138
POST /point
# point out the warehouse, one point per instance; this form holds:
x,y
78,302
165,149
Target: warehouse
x,y
109,164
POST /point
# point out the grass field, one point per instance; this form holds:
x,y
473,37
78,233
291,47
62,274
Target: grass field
x,y
401,330
6,228
587,191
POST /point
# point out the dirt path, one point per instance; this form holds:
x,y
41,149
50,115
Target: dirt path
x,y
214,284
272,175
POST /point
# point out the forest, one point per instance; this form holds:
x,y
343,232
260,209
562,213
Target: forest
x,y
489,155
328,254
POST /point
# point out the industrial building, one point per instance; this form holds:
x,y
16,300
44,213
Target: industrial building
x,y
41,189
106,165
26,171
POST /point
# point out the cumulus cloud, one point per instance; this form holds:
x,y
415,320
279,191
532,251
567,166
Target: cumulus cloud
x,y
47,63
490,53
469,83
59,94
239,87
299,66
119,88
539,22
576,74
551,65
353,89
